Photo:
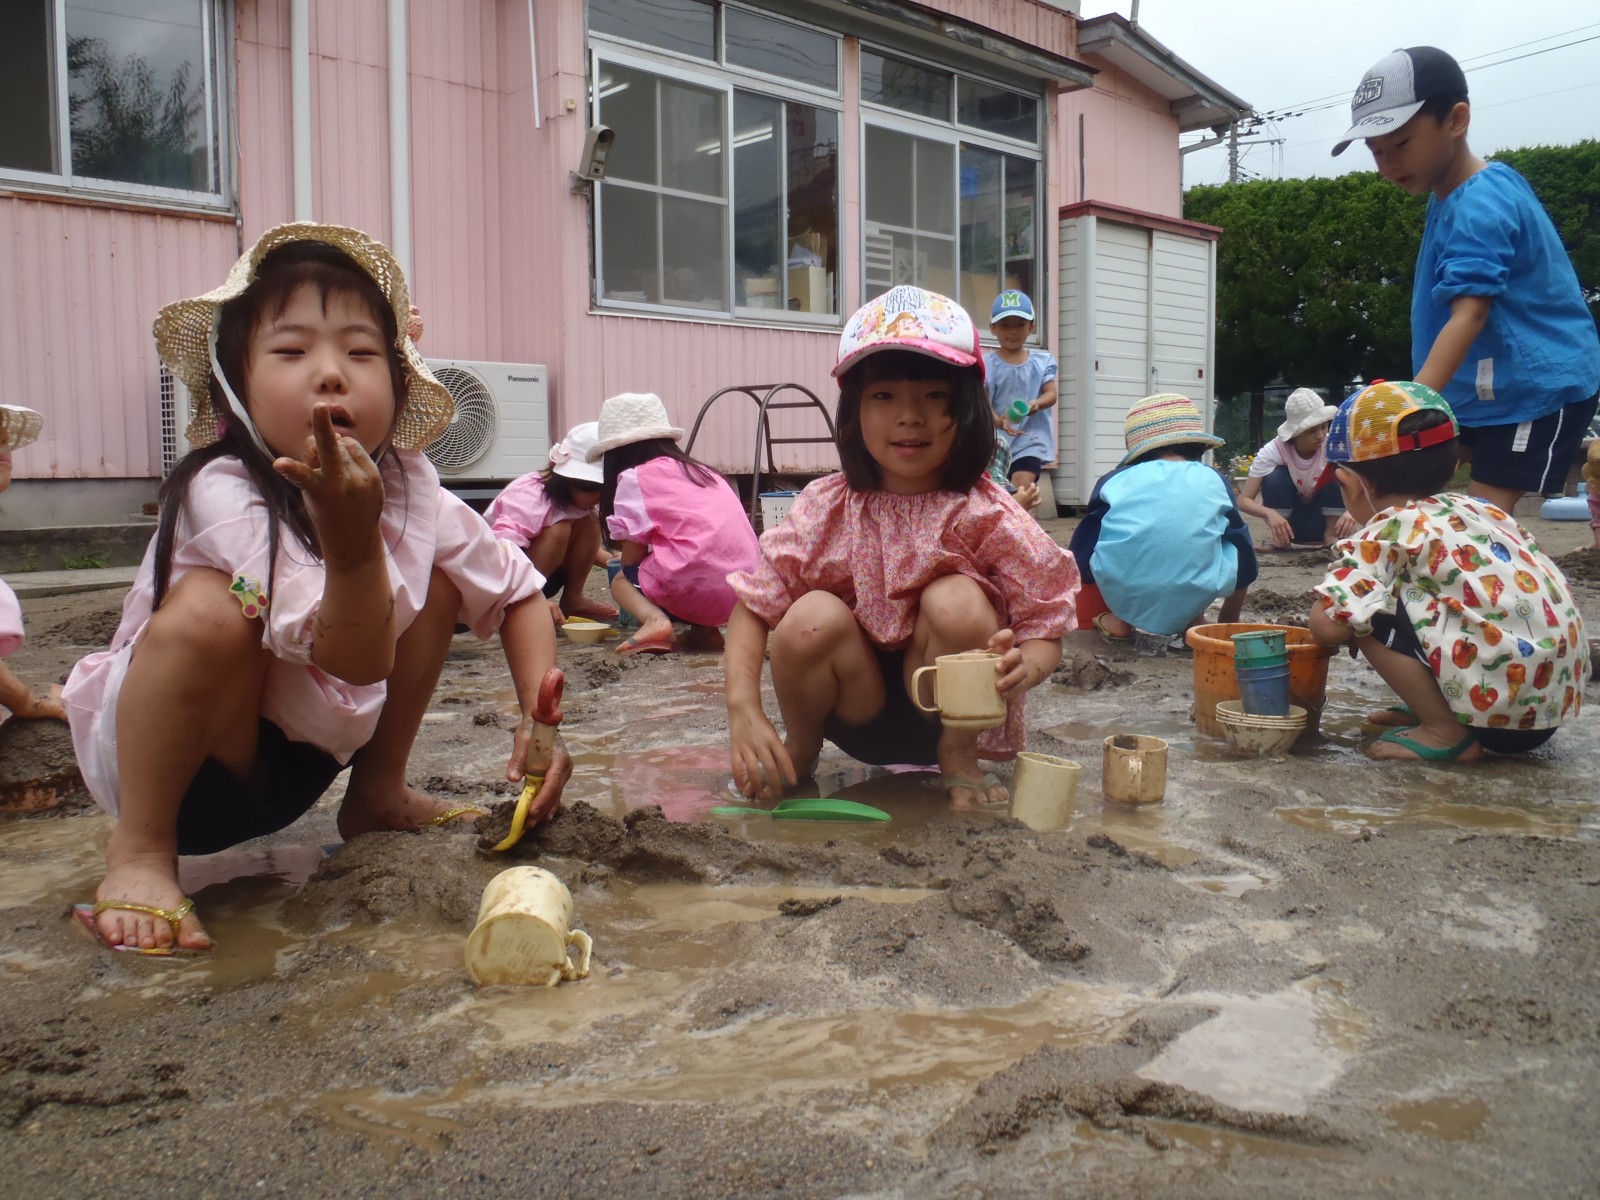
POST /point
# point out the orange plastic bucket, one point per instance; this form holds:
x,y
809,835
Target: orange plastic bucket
x,y
1214,680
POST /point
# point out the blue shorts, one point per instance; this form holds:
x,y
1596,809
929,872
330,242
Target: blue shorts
x,y
1533,456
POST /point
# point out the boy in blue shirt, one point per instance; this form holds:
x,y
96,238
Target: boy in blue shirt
x,y
1013,373
1498,322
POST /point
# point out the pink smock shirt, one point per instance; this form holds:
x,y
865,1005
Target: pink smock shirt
x,y
697,533
10,622
525,510
877,551
223,527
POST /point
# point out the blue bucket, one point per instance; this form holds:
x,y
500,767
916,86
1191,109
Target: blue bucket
x,y
1264,691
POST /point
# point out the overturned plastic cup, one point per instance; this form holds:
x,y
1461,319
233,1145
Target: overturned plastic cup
x,y
524,933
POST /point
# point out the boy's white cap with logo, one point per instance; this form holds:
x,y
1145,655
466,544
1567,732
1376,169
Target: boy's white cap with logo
x,y
631,417
570,458
910,318
1395,89
1304,410
1011,303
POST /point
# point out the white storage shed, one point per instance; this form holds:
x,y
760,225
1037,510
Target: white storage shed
x,y
1136,307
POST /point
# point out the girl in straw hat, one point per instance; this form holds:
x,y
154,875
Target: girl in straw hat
x,y
18,427
912,552
293,612
1290,486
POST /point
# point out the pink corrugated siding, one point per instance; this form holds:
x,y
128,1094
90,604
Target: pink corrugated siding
x,y
1130,138
265,172
84,285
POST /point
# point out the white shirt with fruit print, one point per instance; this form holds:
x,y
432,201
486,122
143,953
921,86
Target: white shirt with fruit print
x,y
1493,613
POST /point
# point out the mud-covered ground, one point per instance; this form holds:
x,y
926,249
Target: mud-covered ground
x,y
1304,976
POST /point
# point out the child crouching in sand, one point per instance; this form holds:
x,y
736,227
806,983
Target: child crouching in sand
x,y
294,609
18,427
1450,600
912,552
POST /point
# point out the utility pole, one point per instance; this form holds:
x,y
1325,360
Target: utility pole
x,y
1234,142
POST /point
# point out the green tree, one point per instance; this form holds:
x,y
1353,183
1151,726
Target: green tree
x,y
1313,281
1567,181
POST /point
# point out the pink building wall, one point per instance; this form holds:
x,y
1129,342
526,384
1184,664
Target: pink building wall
x,y
1129,145
500,244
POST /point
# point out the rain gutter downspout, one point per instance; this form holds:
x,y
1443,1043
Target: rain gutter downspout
x,y
300,105
533,52
400,135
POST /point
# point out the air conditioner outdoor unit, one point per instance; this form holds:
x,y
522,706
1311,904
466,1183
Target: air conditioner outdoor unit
x,y
502,424
174,420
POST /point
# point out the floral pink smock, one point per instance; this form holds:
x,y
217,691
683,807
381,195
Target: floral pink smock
x,y
1493,613
10,622
876,551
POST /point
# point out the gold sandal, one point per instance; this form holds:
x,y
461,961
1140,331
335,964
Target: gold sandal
x,y
88,916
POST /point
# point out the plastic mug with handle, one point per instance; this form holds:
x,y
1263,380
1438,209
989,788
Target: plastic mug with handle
x,y
1043,790
1134,769
965,696
524,934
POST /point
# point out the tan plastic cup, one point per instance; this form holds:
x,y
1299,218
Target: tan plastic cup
x,y
524,933
1135,769
1043,791
965,696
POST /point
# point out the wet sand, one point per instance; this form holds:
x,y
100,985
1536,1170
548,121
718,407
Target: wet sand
x,y
1293,974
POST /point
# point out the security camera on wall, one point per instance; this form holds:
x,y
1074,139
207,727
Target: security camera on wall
x,y
592,166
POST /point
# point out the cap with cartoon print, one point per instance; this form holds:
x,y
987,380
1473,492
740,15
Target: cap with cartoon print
x,y
910,318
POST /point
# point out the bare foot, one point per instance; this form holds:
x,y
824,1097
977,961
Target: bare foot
x,y
589,610
1393,718
702,637
964,780
149,879
406,810
657,632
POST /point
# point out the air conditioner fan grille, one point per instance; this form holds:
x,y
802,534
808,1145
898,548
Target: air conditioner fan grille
x,y
471,432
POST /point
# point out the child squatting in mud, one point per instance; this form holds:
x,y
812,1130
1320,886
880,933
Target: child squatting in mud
x,y
910,553
1450,600
293,612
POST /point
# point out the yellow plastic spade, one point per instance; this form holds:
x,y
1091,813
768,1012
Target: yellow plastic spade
x,y
530,787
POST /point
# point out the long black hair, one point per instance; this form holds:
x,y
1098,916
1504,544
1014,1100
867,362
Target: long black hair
x,y
625,458
282,272
969,409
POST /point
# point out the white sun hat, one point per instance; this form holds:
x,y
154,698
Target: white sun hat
x,y
18,426
632,417
570,458
1304,410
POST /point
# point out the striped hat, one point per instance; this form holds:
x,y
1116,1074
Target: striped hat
x,y
1367,425
1164,420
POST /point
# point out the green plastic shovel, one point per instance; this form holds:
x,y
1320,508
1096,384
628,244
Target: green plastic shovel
x,y
807,809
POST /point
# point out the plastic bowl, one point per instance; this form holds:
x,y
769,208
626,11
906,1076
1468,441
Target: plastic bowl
x,y
587,632
1259,737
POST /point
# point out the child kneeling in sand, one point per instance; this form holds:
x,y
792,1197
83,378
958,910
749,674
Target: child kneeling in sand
x,y
1450,600
911,552
294,609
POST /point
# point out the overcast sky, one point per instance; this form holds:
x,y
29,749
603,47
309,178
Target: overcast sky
x,y
1295,54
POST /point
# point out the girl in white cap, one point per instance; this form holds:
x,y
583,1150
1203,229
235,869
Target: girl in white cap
x,y
911,552
551,515
294,610
1290,486
18,427
677,525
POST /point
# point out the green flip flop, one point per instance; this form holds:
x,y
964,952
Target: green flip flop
x,y
1403,736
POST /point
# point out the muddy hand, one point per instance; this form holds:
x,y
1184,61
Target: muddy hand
x,y
1011,670
343,492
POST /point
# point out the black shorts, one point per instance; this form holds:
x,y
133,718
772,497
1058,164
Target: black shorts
x,y
1399,635
1533,456
1031,463
554,582
221,810
900,733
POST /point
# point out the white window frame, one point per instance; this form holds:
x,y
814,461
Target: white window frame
x,y
726,80
956,135
217,31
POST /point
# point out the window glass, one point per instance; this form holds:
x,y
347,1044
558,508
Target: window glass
x,y
1022,208
140,112
779,48
691,138
910,224
628,107
982,228
758,216
812,146
630,245
27,131
997,110
683,26
888,176
694,253
908,86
